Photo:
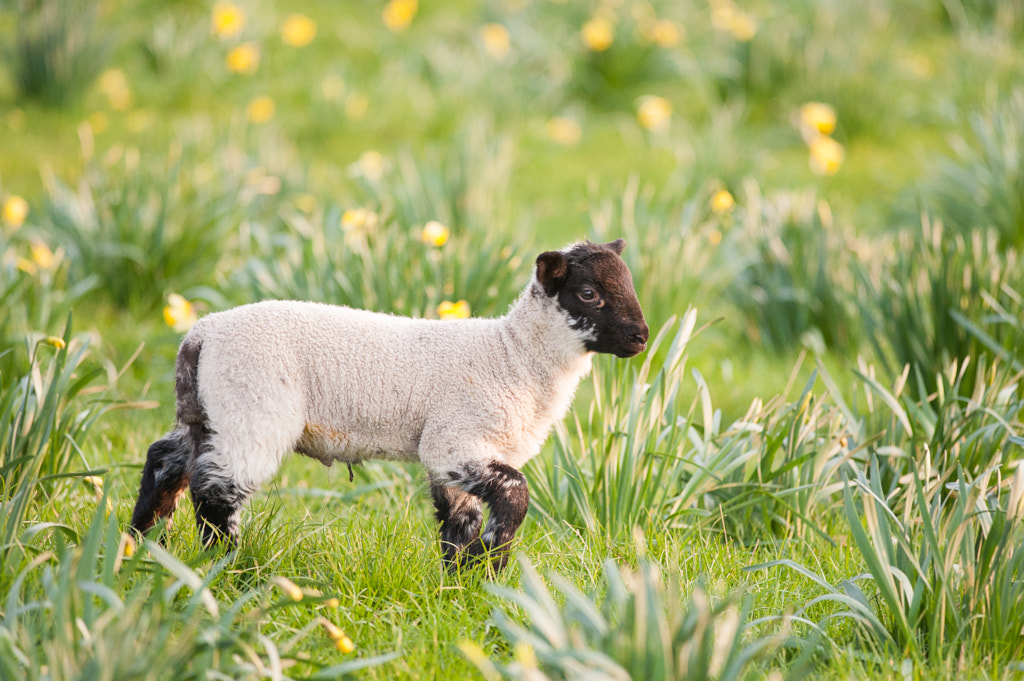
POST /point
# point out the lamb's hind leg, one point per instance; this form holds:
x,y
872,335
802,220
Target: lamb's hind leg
x,y
504,490
460,516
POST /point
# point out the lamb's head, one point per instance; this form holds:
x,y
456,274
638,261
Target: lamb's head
x,y
594,287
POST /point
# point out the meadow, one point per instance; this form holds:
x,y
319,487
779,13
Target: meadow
x,y
813,472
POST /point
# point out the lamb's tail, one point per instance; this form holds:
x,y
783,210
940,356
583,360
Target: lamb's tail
x,y
165,476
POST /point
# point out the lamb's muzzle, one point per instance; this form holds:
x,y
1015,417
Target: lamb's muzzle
x,y
472,400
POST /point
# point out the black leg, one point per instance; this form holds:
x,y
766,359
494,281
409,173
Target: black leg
x,y
218,503
504,490
460,516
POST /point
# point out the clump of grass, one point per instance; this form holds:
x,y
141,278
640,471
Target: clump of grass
x,y
982,188
644,629
797,277
915,307
59,49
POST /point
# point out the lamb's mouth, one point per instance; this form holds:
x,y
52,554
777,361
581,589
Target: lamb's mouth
x,y
630,349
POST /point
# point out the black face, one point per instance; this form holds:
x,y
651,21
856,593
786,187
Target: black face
x,y
593,284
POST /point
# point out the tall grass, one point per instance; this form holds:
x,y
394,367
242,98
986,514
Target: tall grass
x,y
643,629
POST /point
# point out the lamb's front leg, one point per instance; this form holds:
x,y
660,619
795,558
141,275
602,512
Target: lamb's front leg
x,y
460,516
504,490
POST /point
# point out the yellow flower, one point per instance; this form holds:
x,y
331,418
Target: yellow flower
x,y
260,109
371,165
332,603
496,41
714,237
654,113
114,85
564,131
42,255
179,314
726,17
244,59
58,342
722,201
344,644
356,224
15,211
228,20
664,33
826,155
450,310
399,14
26,266
818,117
298,30
129,546
434,233
290,588
598,34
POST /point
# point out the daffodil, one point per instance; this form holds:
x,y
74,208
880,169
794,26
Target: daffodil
x,y
434,233
290,588
728,18
356,223
598,34
58,342
497,41
129,546
664,33
244,59
826,155
228,20
371,165
179,313
722,201
42,255
260,109
449,310
654,113
298,30
563,130
398,14
15,210
114,85
818,117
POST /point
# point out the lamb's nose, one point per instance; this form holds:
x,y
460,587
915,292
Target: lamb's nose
x,y
641,335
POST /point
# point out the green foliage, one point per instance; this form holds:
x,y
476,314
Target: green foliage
x,y
982,188
643,630
59,50
915,307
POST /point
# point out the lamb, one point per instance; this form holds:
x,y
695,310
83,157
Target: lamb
x,y
473,400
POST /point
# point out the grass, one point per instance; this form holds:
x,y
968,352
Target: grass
x,y
818,460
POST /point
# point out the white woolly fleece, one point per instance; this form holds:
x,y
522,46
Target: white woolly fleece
x,y
340,384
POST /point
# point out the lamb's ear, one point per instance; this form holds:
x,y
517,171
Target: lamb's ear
x,y
552,269
616,246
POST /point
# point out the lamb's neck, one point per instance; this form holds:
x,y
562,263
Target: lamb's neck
x,y
539,330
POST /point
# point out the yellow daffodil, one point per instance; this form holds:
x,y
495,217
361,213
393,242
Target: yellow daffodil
x,y
598,34
563,130
722,201
434,233
26,266
332,603
58,342
497,41
664,33
449,310
298,30
114,85
356,105
826,155
654,113
357,223
129,546
818,117
42,255
244,59
728,18
332,87
15,210
371,165
260,109
228,20
179,313
344,644
290,588
399,14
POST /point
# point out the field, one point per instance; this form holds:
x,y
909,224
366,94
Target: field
x,y
813,472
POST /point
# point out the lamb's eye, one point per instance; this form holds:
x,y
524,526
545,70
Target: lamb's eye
x,y
587,295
